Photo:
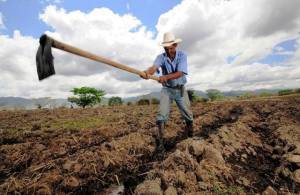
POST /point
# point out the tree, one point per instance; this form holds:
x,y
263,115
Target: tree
x,y
114,101
214,94
86,96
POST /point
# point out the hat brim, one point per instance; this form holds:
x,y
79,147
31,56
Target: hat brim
x,y
164,44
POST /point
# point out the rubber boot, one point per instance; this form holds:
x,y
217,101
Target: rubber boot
x,y
160,148
189,130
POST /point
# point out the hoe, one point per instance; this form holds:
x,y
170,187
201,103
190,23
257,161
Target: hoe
x,y
44,58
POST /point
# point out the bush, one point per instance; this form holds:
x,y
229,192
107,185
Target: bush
x,y
154,101
129,103
285,92
143,102
201,99
115,101
214,94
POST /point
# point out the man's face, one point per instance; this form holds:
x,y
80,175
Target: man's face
x,y
171,50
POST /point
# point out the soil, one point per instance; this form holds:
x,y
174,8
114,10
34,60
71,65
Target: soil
x,y
238,147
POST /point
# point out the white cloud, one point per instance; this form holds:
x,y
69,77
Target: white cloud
x,y
212,30
120,38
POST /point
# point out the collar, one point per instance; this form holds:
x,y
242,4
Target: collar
x,y
176,56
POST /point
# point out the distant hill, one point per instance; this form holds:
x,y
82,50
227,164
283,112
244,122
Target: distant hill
x,y
23,103
18,102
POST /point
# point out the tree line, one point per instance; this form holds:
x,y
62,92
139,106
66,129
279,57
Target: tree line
x,y
89,96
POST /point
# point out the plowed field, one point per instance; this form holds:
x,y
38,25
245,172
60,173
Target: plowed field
x,y
239,147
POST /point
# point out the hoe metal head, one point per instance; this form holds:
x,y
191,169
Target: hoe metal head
x,y
44,58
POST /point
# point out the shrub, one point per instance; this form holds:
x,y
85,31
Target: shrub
x,y
285,92
143,102
154,101
115,101
214,94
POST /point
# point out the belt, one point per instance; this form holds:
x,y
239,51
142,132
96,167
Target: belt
x,y
175,87
180,87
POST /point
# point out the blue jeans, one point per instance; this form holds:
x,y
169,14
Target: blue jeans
x,y
167,95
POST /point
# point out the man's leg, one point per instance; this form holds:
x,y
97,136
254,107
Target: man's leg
x,y
184,106
161,119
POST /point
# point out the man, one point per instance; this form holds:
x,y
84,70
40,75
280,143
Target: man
x,y
173,65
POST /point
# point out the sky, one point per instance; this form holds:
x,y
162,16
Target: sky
x,y
230,44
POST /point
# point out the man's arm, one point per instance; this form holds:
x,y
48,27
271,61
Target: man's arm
x,y
175,75
162,79
150,71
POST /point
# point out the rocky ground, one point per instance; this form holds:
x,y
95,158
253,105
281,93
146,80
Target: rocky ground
x,y
239,147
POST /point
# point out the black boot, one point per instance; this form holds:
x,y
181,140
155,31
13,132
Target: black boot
x,y
189,130
160,148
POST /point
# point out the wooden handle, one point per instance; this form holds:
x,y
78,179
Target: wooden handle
x,y
82,53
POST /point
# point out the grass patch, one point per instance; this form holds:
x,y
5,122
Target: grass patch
x,y
217,189
77,124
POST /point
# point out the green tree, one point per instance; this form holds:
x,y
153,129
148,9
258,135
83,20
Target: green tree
x,y
285,92
214,94
86,96
114,101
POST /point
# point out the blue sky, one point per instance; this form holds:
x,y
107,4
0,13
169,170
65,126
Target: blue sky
x,y
231,45
24,14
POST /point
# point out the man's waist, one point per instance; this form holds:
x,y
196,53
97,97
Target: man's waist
x,y
174,87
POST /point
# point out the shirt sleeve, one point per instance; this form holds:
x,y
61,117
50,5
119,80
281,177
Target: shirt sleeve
x,y
182,64
158,62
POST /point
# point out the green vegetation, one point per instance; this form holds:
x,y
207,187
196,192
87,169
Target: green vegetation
x,y
226,191
86,96
143,102
214,94
265,94
77,124
246,95
115,101
285,92
154,101
192,95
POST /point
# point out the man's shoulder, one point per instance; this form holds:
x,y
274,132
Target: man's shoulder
x,y
181,54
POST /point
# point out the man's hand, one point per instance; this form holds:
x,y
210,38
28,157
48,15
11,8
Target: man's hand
x,y
145,75
163,79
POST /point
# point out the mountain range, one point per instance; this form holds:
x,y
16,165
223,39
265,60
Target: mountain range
x,y
24,103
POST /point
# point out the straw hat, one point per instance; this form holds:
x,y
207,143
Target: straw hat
x,y
169,39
